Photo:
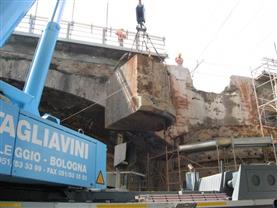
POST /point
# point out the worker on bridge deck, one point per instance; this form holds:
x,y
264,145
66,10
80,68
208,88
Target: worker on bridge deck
x,y
121,35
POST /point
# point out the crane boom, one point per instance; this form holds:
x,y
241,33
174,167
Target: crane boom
x,y
11,13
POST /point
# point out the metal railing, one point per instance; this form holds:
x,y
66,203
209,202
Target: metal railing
x,y
93,34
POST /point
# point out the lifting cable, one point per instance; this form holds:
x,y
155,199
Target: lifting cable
x,y
145,34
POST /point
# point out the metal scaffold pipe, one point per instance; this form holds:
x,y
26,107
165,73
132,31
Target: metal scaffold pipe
x,y
205,146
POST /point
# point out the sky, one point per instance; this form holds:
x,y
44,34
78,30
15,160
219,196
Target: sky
x,y
227,37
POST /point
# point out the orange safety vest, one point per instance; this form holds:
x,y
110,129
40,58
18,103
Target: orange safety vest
x,y
121,34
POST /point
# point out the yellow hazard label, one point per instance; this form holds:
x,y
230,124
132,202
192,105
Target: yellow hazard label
x,y
100,178
121,206
10,204
209,204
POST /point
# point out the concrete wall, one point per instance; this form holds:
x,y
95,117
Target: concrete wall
x,y
75,68
235,106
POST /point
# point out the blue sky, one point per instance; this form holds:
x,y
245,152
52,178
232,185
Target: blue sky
x,y
229,37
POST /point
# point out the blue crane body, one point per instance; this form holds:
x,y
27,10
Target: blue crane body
x,y
35,149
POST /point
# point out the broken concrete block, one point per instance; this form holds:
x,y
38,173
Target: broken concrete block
x,y
138,96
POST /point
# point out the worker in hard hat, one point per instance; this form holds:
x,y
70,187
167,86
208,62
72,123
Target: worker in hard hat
x,y
179,60
121,35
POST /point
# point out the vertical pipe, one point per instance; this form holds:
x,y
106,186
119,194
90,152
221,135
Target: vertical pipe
x,y
73,10
179,170
195,181
42,59
222,169
234,154
119,140
274,149
104,30
107,14
117,178
36,10
68,30
167,175
148,171
218,161
31,24
257,104
224,156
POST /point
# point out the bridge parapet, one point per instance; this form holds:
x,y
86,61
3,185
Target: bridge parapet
x,y
96,35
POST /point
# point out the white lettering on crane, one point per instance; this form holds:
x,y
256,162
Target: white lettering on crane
x,y
54,142
68,164
24,130
7,124
35,139
42,136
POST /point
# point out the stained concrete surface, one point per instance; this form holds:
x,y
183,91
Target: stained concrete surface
x,y
235,106
139,97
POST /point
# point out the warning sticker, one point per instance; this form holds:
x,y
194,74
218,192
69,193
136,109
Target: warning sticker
x,y
100,178
10,204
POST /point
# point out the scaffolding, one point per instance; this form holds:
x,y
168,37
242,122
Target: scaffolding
x,y
165,170
264,79
168,169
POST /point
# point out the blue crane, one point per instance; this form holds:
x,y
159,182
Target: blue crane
x,y
38,149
